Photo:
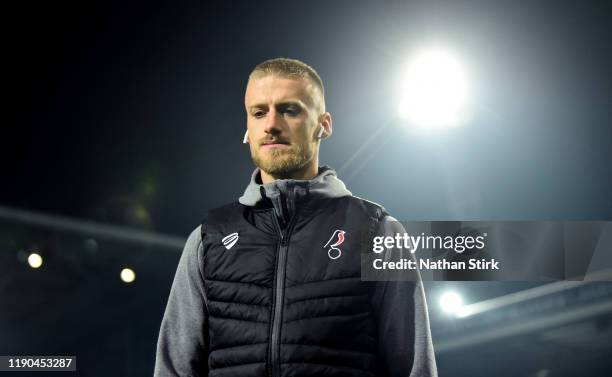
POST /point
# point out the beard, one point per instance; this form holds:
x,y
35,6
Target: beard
x,y
284,162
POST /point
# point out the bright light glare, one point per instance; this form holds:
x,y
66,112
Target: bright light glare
x,y
451,302
435,91
128,275
35,260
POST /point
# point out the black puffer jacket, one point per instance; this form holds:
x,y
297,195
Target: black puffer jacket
x,y
270,286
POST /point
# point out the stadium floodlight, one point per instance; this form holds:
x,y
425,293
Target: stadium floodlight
x,y
450,302
435,91
35,260
128,275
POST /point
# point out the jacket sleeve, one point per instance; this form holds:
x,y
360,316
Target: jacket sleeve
x,y
405,346
182,343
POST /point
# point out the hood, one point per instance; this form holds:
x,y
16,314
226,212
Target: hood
x,y
325,184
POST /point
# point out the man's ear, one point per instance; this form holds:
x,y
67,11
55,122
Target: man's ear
x,y
325,123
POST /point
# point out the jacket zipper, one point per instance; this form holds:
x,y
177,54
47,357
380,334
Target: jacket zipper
x,y
277,309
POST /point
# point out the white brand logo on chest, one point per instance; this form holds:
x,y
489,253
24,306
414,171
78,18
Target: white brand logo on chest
x,y
230,240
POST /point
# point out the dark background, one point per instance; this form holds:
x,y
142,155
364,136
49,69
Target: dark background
x,y
121,104
131,114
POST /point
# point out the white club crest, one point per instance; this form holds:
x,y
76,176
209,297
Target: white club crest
x,y
335,240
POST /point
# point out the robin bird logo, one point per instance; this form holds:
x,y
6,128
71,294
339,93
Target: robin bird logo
x,y
335,240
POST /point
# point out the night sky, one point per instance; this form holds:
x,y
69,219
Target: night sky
x,y
132,114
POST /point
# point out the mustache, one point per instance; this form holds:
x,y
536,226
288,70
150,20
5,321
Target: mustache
x,y
274,141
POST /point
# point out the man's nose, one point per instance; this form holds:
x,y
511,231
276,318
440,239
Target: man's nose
x,y
274,122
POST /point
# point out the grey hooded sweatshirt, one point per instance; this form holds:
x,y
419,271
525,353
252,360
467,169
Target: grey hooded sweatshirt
x,y
408,349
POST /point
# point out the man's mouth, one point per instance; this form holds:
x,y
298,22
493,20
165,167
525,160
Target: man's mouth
x,y
274,144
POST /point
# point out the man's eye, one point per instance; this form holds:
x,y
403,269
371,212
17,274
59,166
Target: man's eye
x,y
259,114
292,111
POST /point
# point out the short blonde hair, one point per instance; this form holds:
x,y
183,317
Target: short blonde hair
x,y
289,68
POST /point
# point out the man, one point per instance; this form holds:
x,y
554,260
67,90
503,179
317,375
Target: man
x,y
270,285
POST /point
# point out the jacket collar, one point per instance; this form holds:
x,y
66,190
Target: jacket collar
x,y
325,185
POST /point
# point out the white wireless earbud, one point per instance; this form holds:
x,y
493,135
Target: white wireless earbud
x,y
321,130
245,140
